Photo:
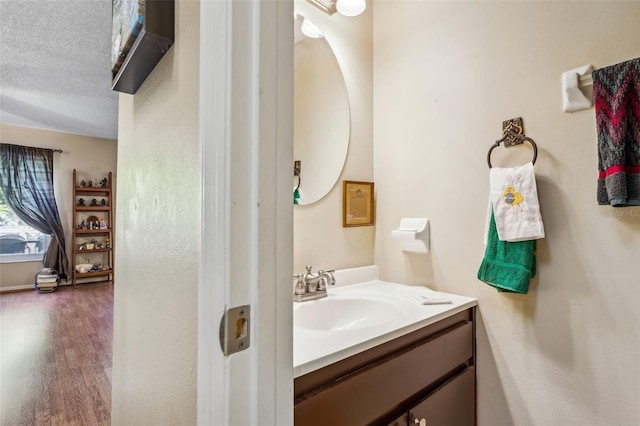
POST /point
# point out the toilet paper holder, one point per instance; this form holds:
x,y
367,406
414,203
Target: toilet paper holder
x,y
413,234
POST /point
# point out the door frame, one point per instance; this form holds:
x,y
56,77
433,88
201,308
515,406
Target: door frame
x,y
246,133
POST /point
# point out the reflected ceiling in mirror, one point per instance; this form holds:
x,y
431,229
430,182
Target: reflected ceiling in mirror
x,y
321,116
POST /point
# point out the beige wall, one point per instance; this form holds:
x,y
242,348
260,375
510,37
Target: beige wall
x,y
155,318
445,76
319,238
95,156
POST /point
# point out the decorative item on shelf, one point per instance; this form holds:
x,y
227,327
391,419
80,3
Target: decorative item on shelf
x,y
104,183
94,203
95,182
103,223
103,202
82,223
107,242
83,183
83,268
89,246
89,184
81,202
93,223
98,267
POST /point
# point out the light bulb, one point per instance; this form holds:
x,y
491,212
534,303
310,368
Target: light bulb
x,y
351,7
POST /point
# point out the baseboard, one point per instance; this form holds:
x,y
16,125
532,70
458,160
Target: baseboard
x,y
16,288
23,287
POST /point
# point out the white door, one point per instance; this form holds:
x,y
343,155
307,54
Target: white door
x,y
246,116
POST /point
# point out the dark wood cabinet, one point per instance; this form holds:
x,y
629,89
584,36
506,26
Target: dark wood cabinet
x,y
427,374
452,404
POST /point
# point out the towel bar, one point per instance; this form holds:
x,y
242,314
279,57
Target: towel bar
x,y
516,140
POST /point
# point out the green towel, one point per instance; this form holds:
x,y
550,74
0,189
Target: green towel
x,y
507,266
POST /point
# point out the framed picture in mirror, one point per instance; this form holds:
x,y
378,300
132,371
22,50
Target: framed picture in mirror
x,y
357,204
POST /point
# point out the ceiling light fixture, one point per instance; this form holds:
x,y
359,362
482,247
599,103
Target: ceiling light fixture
x,y
343,7
309,29
351,7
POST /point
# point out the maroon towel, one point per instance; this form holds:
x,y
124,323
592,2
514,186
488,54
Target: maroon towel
x,y
616,92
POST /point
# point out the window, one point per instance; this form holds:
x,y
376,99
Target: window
x,y
18,241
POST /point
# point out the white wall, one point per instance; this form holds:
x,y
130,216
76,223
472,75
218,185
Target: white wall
x,y
95,156
319,238
446,74
159,199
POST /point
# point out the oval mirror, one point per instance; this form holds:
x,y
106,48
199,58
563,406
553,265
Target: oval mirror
x,y
321,118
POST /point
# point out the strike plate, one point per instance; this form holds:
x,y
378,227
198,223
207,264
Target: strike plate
x,y
235,333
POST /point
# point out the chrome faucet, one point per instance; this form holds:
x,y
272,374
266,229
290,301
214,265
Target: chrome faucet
x,y
312,286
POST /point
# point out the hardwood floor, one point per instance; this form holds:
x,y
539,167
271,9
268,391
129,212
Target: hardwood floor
x,y
55,356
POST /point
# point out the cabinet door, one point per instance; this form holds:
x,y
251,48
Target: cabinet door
x,y
453,404
372,392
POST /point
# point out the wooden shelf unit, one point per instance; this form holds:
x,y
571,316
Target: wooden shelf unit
x,y
93,231
83,235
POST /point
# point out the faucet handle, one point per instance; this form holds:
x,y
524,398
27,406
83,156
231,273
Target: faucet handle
x,y
300,286
322,284
309,268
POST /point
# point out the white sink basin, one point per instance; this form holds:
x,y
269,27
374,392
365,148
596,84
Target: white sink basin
x,y
360,313
345,312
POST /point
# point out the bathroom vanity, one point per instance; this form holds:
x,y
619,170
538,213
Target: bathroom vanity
x,y
414,368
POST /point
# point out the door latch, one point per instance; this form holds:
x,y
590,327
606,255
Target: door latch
x,y
235,330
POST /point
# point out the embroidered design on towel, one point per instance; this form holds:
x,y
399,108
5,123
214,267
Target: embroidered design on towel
x,y
511,196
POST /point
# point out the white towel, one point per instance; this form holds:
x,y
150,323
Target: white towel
x,y
423,295
513,198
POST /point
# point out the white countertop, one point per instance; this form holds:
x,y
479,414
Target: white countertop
x,y
314,349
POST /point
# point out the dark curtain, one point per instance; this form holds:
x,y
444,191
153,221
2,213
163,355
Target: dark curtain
x,y
26,178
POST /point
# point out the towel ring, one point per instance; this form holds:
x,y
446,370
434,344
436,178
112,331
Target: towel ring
x,y
516,140
299,181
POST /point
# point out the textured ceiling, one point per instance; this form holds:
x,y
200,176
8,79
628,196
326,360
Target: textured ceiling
x,y
55,66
